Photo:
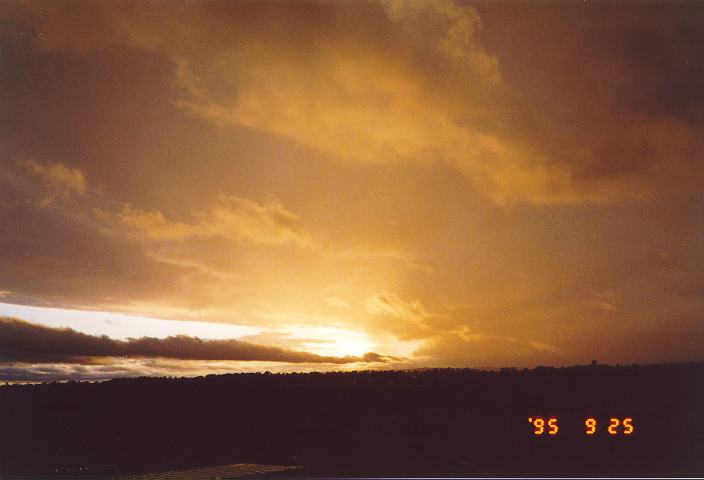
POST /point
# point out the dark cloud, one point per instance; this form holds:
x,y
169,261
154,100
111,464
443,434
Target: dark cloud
x,y
21,341
608,90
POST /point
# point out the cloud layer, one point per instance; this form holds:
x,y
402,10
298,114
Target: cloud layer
x,y
460,183
417,84
21,341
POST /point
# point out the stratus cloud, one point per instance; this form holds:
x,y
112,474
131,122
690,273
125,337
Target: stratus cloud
x,y
232,217
21,341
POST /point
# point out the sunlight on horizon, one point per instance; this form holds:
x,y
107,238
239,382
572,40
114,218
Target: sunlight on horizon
x,y
324,341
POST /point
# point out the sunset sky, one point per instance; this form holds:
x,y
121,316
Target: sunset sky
x,y
241,186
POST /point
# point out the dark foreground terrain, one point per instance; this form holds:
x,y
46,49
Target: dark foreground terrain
x,y
429,422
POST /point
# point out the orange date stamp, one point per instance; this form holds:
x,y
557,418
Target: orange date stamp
x,y
550,426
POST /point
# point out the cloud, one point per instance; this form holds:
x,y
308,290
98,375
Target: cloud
x,y
449,30
59,372
160,367
375,357
466,349
606,307
370,107
545,347
390,304
378,124
62,180
59,176
407,319
402,83
337,302
232,217
152,224
436,97
416,83
21,341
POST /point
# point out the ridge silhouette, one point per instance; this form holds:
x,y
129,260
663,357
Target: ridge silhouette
x,y
414,422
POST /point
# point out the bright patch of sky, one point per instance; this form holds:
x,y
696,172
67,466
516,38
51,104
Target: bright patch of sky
x,y
122,326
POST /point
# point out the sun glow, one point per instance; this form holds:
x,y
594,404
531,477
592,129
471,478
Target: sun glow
x,y
330,341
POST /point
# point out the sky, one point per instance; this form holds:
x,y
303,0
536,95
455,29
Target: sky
x,y
203,187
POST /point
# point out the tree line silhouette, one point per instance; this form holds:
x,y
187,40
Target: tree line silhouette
x,y
415,422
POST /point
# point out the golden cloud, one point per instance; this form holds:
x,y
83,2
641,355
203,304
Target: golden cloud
x,y
406,319
363,106
427,92
415,85
231,217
